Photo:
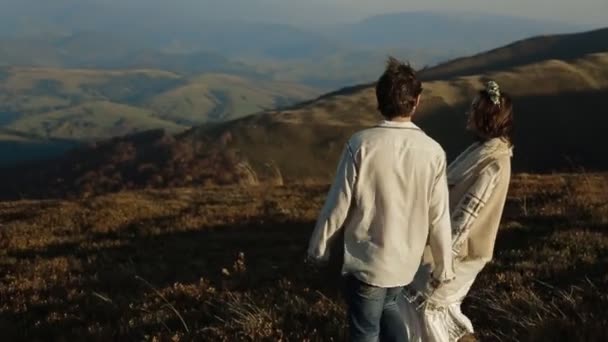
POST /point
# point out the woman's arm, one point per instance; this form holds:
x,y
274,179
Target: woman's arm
x,y
472,203
464,215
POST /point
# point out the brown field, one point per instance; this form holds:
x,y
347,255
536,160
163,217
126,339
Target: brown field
x,y
227,264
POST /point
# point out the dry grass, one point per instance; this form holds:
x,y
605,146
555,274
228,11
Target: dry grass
x,y
227,264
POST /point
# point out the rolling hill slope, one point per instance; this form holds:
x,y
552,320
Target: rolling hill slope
x,y
559,122
90,104
557,115
220,97
563,47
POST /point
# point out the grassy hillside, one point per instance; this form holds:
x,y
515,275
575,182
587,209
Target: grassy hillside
x,y
563,47
304,142
558,124
227,264
93,104
546,96
93,120
216,97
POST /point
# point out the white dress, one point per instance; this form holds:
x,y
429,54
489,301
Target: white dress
x,y
478,177
434,320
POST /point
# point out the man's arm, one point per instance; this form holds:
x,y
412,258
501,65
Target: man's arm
x,y
334,212
440,232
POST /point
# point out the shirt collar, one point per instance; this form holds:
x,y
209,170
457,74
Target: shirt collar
x,y
398,124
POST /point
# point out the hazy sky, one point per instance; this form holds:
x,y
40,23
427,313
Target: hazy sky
x,y
587,12
302,12
576,11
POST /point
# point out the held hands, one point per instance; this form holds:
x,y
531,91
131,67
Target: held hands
x,y
434,283
423,297
415,297
313,262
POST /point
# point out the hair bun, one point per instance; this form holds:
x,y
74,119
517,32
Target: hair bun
x,y
493,90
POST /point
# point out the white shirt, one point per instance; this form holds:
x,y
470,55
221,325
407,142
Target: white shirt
x,y
390,195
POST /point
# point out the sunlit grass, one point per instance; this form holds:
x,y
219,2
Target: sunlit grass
x,y
228,264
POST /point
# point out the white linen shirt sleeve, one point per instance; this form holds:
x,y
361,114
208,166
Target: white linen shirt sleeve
x,y
336,208
440,233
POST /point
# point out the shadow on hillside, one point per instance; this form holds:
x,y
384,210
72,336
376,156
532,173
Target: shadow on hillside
x,y
550,133
14,152
273,252
549,136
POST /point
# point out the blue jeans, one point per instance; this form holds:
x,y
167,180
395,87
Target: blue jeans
x,y
373,313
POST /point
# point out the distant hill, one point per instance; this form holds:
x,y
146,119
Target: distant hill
x,y
311,59
99,50
436,30
555,101
220,97
85,104
563,47
108,35
559,123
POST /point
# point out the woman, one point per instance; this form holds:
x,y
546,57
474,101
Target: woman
x,y
478,180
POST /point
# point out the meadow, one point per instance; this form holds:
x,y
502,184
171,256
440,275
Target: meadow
x,y
227,263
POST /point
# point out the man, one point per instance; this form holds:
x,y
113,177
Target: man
x,y
390,196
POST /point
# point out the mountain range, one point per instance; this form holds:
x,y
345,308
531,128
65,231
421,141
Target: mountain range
x,y
83,105
558,83
94,70
96,34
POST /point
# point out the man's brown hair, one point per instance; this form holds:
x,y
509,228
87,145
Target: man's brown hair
x,y
397,89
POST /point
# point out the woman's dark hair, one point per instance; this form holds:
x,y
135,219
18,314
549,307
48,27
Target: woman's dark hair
x,y
397,89
492,116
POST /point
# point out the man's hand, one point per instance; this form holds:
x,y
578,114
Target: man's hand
x,y
415,298
314,262
433,284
